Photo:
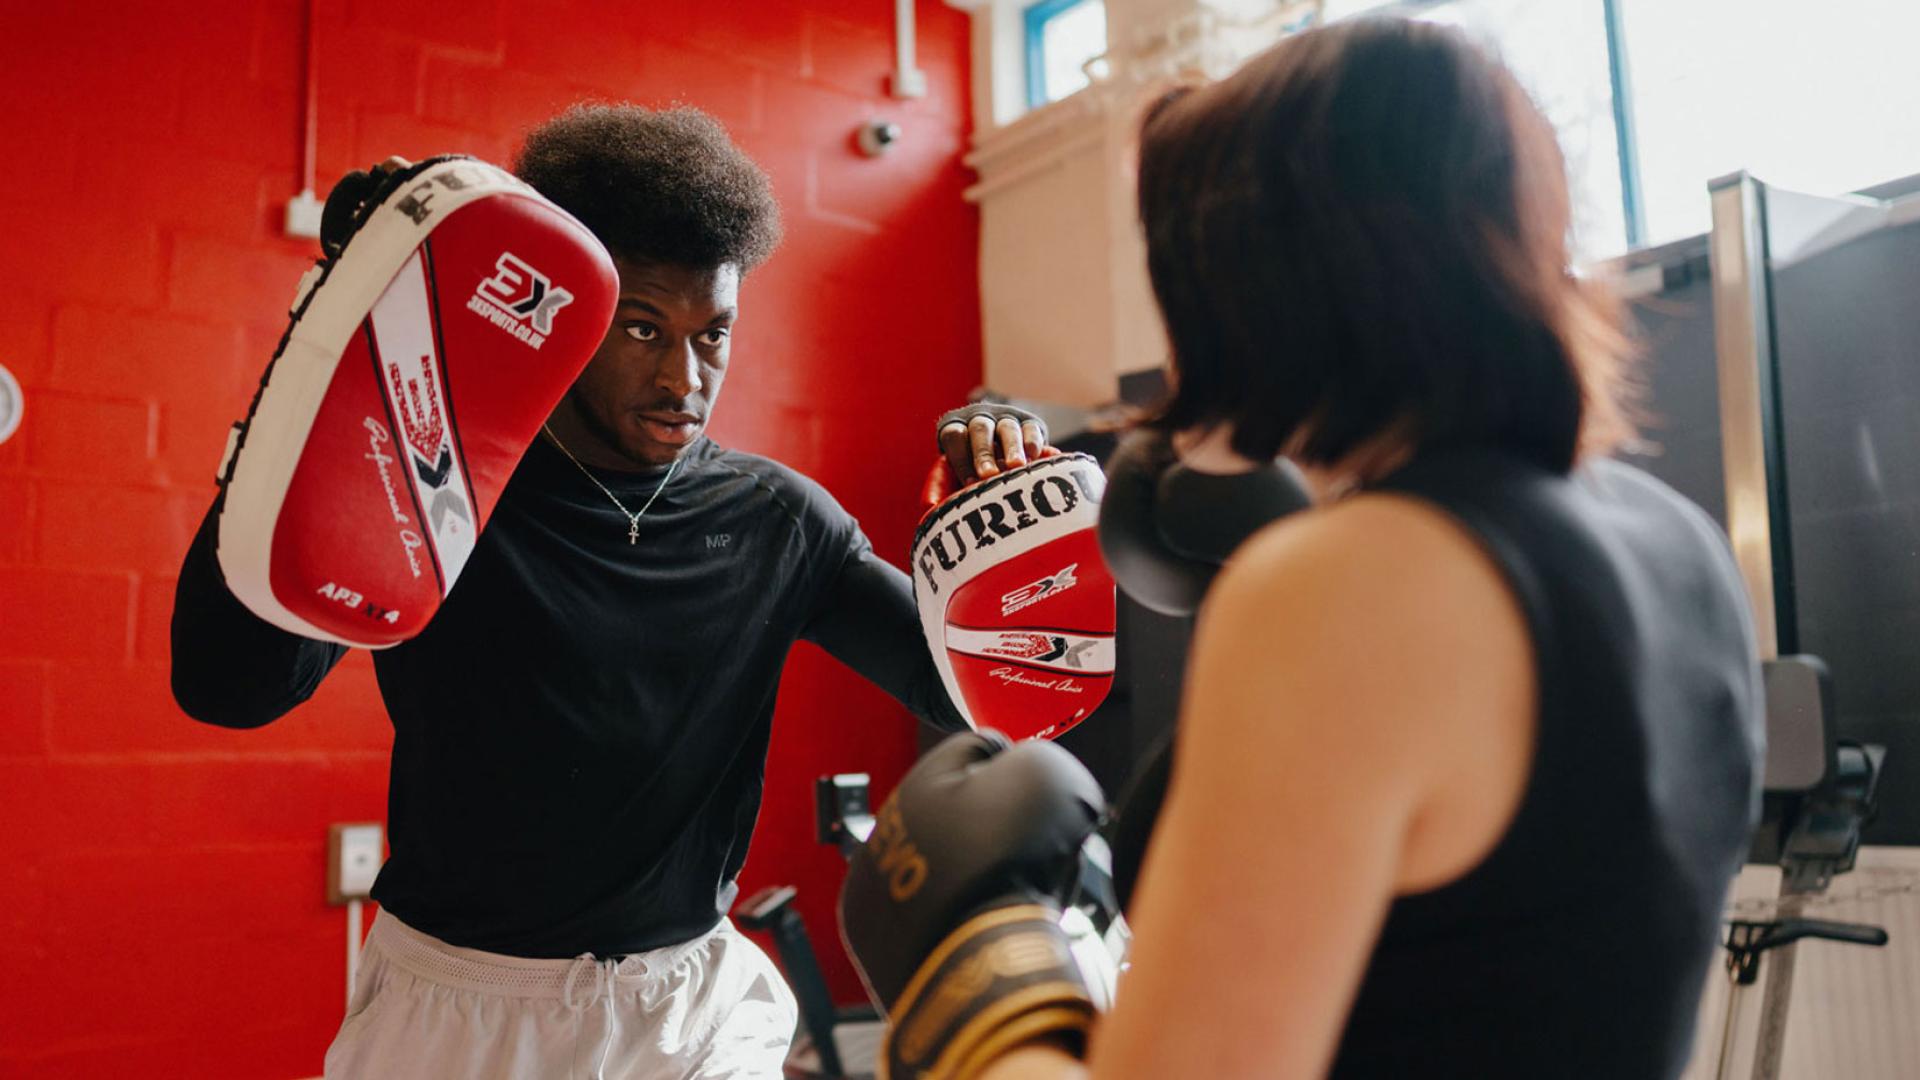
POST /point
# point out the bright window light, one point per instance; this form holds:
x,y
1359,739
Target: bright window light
x,y
1818,98
1558,51
1063,36
1815,97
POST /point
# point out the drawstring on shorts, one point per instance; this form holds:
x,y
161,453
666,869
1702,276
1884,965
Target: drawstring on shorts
x,y
605,976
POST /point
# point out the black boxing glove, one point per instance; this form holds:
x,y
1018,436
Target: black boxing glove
x,y
341,214
343,202
951,910
1165,529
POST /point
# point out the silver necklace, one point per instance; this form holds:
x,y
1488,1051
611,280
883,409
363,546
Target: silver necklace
x,y
633,519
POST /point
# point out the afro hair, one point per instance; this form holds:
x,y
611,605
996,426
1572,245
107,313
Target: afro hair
x,y
663,185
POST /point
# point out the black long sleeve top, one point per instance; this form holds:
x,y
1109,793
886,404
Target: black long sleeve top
x,y
580,735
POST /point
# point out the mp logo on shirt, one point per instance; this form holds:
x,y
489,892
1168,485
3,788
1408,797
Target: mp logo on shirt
x,y
519,299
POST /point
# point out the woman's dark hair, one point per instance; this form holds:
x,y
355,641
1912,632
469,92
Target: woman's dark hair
x,y
1364,228
655,185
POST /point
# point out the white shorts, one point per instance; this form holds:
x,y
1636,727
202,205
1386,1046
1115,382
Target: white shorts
x,y
712,1007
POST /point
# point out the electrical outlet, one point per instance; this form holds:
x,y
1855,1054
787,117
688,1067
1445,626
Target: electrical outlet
x,y
354,855
303,215
842,813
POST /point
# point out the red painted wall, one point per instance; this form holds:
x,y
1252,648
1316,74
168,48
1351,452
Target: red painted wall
x,y
161,908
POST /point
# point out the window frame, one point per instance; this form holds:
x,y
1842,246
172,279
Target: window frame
x,y
1034,18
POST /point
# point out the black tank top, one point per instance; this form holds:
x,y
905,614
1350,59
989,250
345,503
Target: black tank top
x,y
1579,947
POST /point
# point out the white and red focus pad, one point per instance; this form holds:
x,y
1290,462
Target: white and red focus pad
x,y
1015,600
418,368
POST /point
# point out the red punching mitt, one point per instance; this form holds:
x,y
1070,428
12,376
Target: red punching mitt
x,y
1015,600
420,362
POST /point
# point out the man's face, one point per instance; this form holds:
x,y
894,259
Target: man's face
x,y
648,391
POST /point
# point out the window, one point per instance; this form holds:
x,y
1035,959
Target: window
x,y
1559,52
1815,98
1818,98
1063,36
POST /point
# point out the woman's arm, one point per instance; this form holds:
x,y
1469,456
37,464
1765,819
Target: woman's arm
x,y
1358,724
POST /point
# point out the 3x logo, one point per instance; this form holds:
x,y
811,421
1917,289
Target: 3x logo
x,y
1033,592
519,299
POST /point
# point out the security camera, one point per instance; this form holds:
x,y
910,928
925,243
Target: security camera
x,y
876,136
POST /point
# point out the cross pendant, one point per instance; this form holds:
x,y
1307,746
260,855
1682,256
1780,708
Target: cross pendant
x,y
633,531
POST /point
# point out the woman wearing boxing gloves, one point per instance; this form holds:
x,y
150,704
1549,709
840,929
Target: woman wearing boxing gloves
x,y
1470,748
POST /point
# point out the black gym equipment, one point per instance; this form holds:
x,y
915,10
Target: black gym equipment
x,y
830,1036
1809,295
1820,791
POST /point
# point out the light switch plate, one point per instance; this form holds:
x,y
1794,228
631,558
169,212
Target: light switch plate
x,y
303,215
354,854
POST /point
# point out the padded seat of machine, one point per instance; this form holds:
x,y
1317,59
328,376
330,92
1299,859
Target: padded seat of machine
x,y
1819,789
